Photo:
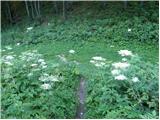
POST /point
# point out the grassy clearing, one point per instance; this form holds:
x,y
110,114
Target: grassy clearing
x,y
98,34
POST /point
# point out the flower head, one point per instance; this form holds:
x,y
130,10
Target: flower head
x,y
120,77
71,51
9,57
124,59
121,65
129,30
29,28
33,65
135,79
125,53
41,60
98,58
8,48
18,44
46,86
115,72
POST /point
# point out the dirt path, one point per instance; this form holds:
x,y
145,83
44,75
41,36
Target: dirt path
x,y
81,98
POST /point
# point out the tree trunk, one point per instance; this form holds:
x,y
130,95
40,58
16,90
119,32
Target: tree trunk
x,y
39,12
64,10
9,12
141,3
36,8
125,4
27,9
32,9
56,7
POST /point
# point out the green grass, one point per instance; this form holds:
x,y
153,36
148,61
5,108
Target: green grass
x,y
87,50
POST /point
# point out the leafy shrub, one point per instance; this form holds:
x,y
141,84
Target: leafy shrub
x,y
32,90
110,98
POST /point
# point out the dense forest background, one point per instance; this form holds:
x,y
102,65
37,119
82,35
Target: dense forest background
x,y
89,18
13,12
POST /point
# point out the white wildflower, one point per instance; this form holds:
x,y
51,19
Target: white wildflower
x,y
29,29
45,77
115,72
100,64
46,86
129,30
92,61
98,61
125,53
121,65
41,60
71,51
135,79
33,65
98,58
9,57
124,59
18,44
53,78
112,46
120,77
8,48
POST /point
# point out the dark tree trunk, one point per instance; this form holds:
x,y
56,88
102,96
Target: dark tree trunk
x,y
125,4
141,4
64,10
9,12
39,12
56,7
32,9
27,9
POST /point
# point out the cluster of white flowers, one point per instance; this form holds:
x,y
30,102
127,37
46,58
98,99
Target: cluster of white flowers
x,y
71,51
48,80
135,79
120,67
129,30
115,72
8,59
98,61
124,59
18,44
42,63
125,53
46,86
8,48
29,29
120,77
34,59
30,56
